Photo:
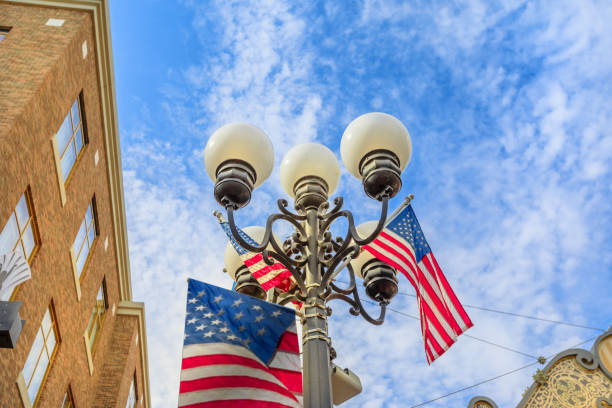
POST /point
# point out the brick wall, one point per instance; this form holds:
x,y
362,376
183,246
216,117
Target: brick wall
x,y
121,360
42,70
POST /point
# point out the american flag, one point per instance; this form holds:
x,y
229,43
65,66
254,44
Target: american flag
x,y
238,351
268,276
402,245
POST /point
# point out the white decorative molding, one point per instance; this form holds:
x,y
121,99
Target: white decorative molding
x,y
129,308
55,22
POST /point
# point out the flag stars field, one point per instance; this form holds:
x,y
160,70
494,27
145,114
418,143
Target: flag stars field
x,y
260,359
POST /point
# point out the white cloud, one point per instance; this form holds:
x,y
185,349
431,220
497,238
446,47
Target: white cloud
x,y
512,199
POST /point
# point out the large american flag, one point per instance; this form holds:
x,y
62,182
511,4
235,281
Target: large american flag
x,y
238,351
402,245
268,276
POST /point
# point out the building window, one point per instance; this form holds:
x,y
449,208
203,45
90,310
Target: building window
x,y
97,316
3,32
88,231
68,399
41,355
131,400
71,137
20,232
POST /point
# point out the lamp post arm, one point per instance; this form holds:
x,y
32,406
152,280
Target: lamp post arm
x,y
338,202
282,206
379,227
267,255
356,305
336,264
236,235
268,237
330,217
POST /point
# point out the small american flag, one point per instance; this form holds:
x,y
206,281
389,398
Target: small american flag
x,y
402,245
238,351
268,276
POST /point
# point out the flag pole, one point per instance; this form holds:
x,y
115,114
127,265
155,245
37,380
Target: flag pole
x,y
399,209
219,216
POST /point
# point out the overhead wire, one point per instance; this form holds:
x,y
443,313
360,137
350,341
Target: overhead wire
x,y
464,334
486,309
538,360
492,378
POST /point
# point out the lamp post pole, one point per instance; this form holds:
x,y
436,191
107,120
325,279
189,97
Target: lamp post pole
x,y
315,343
309,173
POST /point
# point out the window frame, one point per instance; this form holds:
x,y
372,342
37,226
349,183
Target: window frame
x,y
133,386
99,317
63,182
68,397
81,125
4,30
58,340
96,228
35,233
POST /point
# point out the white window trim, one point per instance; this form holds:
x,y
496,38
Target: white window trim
x,y
88,351
75,274
23,391
58,169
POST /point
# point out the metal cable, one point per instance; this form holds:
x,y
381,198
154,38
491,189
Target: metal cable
x,y
464,334
523,316
512,314
493,378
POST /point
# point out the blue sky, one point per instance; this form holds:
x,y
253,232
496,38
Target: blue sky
x,y
508,107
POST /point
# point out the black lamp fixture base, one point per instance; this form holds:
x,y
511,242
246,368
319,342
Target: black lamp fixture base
x,y
247,284
234,184
381,174
380,280
310,193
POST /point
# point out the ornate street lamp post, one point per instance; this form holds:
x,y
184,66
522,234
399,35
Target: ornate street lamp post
x,y
375,148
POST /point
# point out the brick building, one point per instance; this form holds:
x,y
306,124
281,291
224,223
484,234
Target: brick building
x,y
61,205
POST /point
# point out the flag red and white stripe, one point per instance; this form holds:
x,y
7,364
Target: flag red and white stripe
x,y
231,376
443,318
268,276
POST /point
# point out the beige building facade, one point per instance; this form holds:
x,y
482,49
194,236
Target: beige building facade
x,y
574,378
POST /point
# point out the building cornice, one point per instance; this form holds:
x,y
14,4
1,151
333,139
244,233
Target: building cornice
x,y
127,308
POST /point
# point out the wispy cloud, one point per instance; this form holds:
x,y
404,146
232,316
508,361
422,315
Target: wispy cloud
x,y
508,107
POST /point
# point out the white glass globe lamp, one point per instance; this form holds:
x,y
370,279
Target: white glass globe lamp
x,y
376,148
309,172
238,157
